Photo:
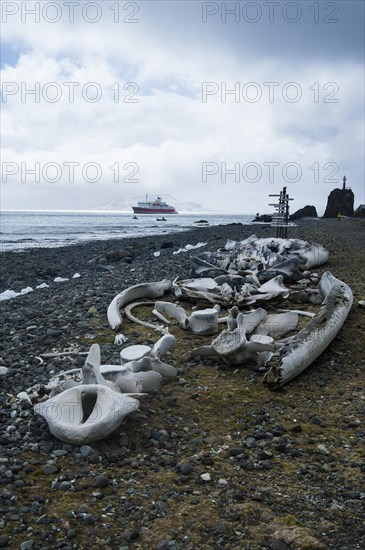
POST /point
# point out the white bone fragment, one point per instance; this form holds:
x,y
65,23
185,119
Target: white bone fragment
x,y
199,322
204,321
151,363
62,353
299,312
132,382
163,345
120,339
232,344
313,339
23,396
86,413
161,317
128,313
278,324
136,292
133,353
205,283
274,285
177,312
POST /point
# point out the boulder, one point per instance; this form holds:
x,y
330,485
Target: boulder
x,y
265,218
340,201
306,212
360,211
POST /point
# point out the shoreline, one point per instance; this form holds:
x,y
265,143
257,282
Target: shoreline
x,y
42,261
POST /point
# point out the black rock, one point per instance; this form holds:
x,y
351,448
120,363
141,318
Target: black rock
x,y
236,451
4,540
100,481
264,218
340,201
186,468
360,211
167,244
279,544
306,212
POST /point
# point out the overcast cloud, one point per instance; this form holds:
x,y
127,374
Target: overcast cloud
x,y
145,95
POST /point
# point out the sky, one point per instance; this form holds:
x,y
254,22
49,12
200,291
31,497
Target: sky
x,y
219,103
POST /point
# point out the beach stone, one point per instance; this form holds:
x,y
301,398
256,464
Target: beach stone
x,y
279,545
236,451
206,477
186,468
323,449
89,519
60,452
354,423
65,486
4,540
49,469
86,450
100,481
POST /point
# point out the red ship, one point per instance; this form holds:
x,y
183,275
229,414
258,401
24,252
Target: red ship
x,y
154,207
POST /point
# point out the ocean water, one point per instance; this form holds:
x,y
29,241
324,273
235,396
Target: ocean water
x,y
21,230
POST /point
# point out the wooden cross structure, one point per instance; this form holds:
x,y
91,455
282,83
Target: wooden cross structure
x,y
280,218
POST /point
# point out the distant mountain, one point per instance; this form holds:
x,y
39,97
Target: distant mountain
x,y
125,202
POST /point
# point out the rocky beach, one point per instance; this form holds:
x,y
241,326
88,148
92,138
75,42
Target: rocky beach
x,y
213,459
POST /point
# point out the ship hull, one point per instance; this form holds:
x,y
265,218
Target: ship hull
x,y
141,210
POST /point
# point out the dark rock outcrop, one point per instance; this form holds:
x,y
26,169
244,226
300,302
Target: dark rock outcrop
x,y
264,218
360,211
306,212
340,201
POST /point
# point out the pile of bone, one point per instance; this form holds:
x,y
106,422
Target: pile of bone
x,y
245,273
88,404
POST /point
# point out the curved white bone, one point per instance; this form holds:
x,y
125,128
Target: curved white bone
x,y
299,312
313,339
86,413
128,313
177,312
142,290
203,321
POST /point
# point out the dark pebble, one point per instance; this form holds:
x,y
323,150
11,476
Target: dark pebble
x,y
4,540
186,468
100,481
279,545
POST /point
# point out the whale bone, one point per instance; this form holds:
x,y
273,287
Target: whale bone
x,y
86,413
135,292
312,340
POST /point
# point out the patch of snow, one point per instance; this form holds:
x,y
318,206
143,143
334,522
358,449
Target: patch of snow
x,y
188,247
43,285
10,294
157,254
60,279
76,276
